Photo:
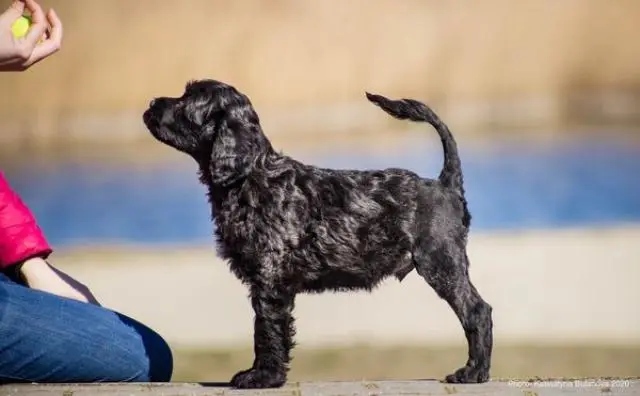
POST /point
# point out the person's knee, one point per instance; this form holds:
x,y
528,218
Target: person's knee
x,y
160,360
136,354
149,357
81,343
133,359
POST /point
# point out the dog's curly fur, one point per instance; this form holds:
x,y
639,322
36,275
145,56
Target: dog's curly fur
x,y
289,228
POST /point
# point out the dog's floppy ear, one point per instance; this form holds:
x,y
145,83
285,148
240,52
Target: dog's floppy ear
x,y
238,143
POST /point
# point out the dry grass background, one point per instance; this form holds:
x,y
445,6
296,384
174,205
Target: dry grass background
x,y
306,64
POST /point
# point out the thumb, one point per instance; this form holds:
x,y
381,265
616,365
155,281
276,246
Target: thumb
x,y
15,11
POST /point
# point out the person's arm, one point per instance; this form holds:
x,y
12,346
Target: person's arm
x,y
24,250
19,54
39,274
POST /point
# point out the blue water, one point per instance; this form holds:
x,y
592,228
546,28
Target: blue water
x,y
508,188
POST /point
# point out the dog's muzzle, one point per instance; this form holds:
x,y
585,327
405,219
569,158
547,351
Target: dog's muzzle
x,y
149,119
151,116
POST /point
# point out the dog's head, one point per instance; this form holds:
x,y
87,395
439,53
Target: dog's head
x,y
213,123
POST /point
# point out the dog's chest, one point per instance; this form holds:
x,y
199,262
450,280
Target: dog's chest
x,y
252,241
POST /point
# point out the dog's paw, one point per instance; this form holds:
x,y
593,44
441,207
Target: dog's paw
x,y
468,375
254,378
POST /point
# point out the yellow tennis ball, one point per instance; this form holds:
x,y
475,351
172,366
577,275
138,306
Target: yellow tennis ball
x,y
21,26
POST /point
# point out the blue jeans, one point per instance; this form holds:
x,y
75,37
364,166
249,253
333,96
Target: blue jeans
x,y
46,338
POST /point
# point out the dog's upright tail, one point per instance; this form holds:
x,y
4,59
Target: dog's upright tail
x,y
409,109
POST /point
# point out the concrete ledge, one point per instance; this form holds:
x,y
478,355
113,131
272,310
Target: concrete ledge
x,y
428,387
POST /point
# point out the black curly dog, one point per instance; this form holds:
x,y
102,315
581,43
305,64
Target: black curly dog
x,y
288,228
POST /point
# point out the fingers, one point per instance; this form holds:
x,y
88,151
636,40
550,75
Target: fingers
x,y
43,38
38,26
52,44
55,34
23,48
15,11
37,15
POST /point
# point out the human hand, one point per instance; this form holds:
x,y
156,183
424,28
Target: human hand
x,y
19,54
40,275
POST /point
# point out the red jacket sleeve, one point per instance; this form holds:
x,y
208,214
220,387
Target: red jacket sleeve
x,y
20,236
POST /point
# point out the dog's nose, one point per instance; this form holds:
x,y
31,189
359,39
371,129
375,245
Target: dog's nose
x,y
152,103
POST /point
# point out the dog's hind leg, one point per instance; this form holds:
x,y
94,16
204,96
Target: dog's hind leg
x,y
445,268
273,338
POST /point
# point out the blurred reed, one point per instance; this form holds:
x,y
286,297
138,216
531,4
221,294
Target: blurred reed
x,y
306,64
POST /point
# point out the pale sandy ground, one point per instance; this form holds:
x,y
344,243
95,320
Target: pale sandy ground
x,y
549,286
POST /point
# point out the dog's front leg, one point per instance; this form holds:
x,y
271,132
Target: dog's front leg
x,y
273,338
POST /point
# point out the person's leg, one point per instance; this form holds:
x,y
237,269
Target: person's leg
x,y
45,338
